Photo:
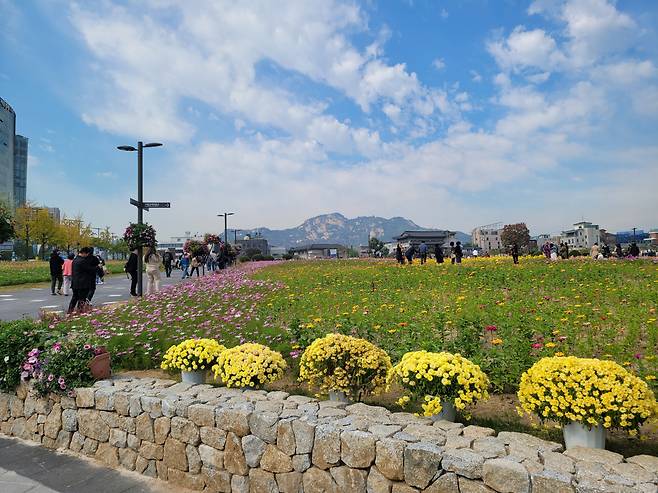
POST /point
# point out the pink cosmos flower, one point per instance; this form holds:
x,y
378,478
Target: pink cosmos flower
x,y
491,328
537,345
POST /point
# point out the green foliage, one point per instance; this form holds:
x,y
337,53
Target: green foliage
x,y
16,273
66,366
16,339
515,234
6,223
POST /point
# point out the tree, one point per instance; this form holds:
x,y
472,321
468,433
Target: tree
x,y
515,233
375,245
24,226
73,233
6,223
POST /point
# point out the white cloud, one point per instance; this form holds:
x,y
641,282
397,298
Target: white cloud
x,y
475,76
439,63
524,49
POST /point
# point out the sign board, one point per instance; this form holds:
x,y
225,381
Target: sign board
x,y
136,204
157,205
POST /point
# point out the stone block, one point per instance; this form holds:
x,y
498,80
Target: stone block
x,y
193,459
446,483
403,488
648,462
285,437
463,462
216,480
318,481
478,432
377,482
151,451
15,407
211,457
554,461
357,449
489,447
127,458
551,482
349,479
133,442
53,422
70,420
234,459
326,447
90,447
513,437
174,454
107,454
185,480
506,476
301,463
594,455
122,403
161,427
289,482
239,484
118,438
84,397
214,437
144,427
63,439
233,420
253,448
151,405
90,424
262,482
104,399
304,432
471,486
421,463
201,414
134,406
77,442
264,426
390,458
184,430
273,460
426,433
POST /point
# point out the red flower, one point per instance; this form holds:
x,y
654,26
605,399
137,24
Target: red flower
x,y
491,328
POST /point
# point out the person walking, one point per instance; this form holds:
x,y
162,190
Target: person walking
x,y
605,250
634,250
546,249
152,261
96,262
67,270
410,254
185,265
422,249
398,254
618,251
564,251
131,269
475,253
83,277
459,253
167,260
56,277
452,252
594,251
438,253
515,253
195,266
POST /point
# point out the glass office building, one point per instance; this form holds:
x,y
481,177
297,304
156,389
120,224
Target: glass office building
x,y
7,133
20,170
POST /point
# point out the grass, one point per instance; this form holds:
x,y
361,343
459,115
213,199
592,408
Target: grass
x,y
17,273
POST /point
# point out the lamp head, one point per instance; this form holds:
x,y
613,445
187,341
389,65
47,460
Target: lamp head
x,y
152,144
126,148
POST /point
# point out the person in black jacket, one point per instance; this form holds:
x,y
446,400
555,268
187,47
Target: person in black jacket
x,y
95,261
131,268
458,252
56,273
167,259
438,253
84,274
515,253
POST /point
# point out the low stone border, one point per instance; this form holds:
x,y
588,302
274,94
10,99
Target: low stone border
x,y
217,439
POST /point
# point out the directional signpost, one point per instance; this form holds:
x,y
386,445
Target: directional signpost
x,y
157,205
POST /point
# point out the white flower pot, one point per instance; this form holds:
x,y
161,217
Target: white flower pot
x,y
194,377
579,435
338,396
448,412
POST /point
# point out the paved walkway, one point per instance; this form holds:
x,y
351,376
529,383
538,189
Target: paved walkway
x,y
21,302
26,467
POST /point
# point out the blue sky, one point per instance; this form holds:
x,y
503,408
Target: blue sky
x,y
451,113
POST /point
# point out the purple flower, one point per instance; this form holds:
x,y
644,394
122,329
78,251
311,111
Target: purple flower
x,y
57,347
51,377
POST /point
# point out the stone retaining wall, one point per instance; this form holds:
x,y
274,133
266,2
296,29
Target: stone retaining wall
x,y
228,440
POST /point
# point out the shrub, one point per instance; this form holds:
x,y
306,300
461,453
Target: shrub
x,y
344,363
192,355
588,391
433,376
16,339
61,367
249,365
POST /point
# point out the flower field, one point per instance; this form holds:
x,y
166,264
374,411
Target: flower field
x,y
502,317
15,273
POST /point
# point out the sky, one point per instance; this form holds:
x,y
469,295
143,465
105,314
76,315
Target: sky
x,y
453,114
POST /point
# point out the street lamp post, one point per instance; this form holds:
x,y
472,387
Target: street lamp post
x,y
140,199
226,215
235,236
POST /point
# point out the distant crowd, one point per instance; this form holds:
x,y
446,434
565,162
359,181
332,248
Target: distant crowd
x,y
554,252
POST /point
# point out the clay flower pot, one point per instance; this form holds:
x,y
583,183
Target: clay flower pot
x,y
100,366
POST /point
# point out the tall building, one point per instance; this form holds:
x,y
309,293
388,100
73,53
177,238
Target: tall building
x,y
583,235
487,238
7,133
20,170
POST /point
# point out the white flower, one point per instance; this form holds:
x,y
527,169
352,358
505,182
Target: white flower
x,y
6,359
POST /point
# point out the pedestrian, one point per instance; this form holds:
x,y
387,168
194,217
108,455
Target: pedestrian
x,y
546,249
195,266
618,251
452,252
67,270
185,265
475,253
438,253
422,249
83,277
152,261
398,254
410,254
594,251
95,261
634,250
167,259
56,276
553,251
131,269
605,250
564,251
515,253
458,252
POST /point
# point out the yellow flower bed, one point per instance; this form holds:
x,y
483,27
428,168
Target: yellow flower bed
x,y
249,365
588,391
433,376
192,355
342,363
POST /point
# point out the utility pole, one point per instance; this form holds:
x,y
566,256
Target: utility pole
x,y
226,215
634,233
235,236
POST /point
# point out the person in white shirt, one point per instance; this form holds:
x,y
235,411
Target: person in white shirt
x,y
152,261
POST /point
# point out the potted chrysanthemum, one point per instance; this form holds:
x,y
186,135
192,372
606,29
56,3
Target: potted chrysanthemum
x,y
587,396
249,365
345,367
443,382
193,357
